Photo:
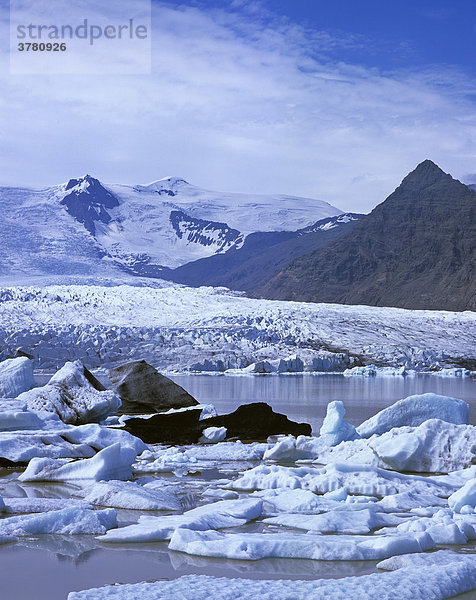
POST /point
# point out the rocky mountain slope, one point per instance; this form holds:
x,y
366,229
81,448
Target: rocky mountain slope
x,y
87,227
261,255
415,250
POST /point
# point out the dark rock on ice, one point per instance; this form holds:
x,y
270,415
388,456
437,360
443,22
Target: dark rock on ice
x,y
257,421
182,427
249,422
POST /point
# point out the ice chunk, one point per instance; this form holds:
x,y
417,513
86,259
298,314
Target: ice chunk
x,y
442,528
441,557
16,376
72,521
22,446
434,446
14,420
356,479
254,546
343,521
226,513
99,437
114,462
334,427
465,496
41,505
169,459
212,435
413,411
426,580
127,494
72,397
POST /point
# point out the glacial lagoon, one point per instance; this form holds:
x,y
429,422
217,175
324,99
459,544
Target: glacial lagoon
x,y
48,567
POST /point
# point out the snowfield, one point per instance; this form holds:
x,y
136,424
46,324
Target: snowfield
x,y
206,329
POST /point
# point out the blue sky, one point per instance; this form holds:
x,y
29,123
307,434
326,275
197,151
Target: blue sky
x,y
334,100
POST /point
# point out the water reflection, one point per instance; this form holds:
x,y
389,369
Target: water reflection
x,y
305,397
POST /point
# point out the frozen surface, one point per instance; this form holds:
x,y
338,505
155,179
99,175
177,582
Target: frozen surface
x,y
355,478
72,521
212,435
172,326
361,521
255,546
226,513
423,582
413,411
464,499
70,395
16,376
433,446
130,495
114,462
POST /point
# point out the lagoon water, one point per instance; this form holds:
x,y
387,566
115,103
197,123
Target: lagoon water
x,y
48,567
305,397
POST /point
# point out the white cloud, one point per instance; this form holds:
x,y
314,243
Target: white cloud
x,y
240,102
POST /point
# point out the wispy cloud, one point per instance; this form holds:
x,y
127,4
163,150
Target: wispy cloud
x,y
244,101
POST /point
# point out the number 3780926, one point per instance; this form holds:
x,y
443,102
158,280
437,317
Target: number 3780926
x,y
41,47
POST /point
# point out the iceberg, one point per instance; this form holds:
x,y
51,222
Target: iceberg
x,y
16,376
114,462
413,411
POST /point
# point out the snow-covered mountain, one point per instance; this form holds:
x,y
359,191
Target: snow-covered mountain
x,y
87,227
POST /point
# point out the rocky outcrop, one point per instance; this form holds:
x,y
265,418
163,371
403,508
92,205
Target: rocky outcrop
x,y
249,422
143,389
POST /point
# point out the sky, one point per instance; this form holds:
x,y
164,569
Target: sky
x,y
336,100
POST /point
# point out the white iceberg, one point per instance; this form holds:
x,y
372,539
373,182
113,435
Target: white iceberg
x,y
114,462
226,513
71,521
213,435
130,495
413,411
255,546
16,376
464,499
72,397
342,521
365,480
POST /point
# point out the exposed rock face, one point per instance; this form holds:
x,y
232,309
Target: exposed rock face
x,y
74,394
415,250
249,422
143,389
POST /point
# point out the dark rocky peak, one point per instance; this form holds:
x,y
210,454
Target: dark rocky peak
x,y
426,174
86,199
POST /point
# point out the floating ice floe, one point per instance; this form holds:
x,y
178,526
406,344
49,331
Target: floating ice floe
x,y
413,411
212,435
464,499
72,521
420,581
63,442
130,495
40,505
16,376
355,478
114,462
162,459
343,521
435,446
72,397
255,546
226,513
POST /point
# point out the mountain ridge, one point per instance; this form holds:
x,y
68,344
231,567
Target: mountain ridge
x,y
414,250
